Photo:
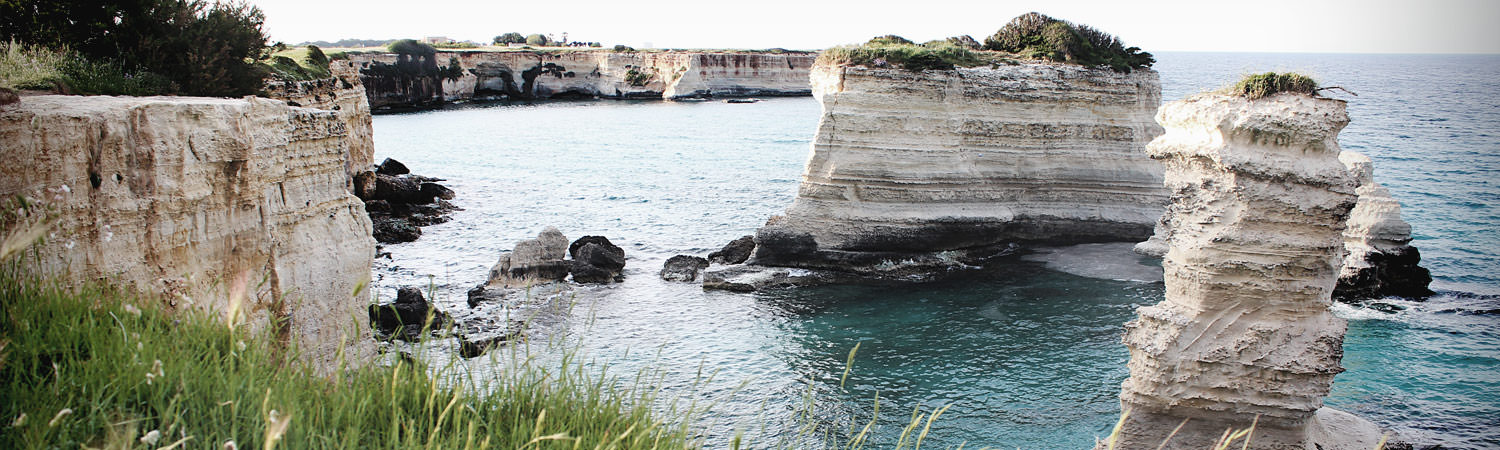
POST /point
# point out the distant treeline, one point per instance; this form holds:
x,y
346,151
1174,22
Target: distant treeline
x,y
350,43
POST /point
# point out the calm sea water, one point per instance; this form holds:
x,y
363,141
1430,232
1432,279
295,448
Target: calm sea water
x,y
1026,356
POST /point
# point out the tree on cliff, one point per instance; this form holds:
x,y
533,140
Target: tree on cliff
x,y
203,48
537,39
510,38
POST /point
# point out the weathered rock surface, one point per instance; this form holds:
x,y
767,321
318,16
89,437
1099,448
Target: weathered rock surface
x,y
1381,261
596,73
911,163
533,261
683,268
181,195
344,94
735,252
1258,208
399,203
751,278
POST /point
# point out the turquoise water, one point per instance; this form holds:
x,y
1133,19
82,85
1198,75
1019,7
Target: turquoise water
x,y
1027,356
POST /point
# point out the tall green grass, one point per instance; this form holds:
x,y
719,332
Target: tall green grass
x,y
94,366
39,68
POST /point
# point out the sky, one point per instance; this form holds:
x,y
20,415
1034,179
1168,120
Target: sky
x,y
1299,26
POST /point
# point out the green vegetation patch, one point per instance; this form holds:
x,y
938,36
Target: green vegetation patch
x,y
94,367
1038,36
895,51
299,64
1270,83
40,68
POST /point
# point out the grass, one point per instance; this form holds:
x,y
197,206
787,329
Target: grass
x,y
1270,83
63,70
94,366
30,67
891,51
299,64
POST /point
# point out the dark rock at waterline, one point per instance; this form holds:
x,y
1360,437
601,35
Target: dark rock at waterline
x,y
391,230
364,185
405,318
378,207
683,268
396,189
585,273
782,246
601,240
1393,273
735,252
475,346
598,255
392,167
431,191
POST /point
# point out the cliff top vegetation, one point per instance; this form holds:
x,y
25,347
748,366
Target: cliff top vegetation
x,y
1031,36
1265,84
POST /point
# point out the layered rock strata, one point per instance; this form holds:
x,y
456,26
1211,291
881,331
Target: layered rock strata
x,y
969,160
592,73
1245,335
193,198
1381,261
343,93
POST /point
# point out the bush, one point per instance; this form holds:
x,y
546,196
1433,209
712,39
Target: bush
x,y
623,48
36,67
537,40
638,77
510,38
30,67
1035,35
204,49
964,41
889,39
1269,83
411,47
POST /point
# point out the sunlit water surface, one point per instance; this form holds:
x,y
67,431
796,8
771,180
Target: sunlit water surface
x,y
1027,356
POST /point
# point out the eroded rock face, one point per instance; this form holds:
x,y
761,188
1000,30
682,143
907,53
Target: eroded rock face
x,y
1381,261
344,94
909,163
1259,203
599,73
533,261
183,195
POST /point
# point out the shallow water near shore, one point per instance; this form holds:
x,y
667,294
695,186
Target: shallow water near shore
x,y
1028,355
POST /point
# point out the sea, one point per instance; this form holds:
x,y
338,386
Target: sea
x,y
1025,353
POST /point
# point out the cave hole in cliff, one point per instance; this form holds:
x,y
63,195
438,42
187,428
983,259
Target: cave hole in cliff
x,y
95,180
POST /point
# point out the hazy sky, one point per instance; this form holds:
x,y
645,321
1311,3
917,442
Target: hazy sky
x,y
1334,26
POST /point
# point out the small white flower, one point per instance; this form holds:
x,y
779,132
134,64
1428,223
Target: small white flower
x,y
229,445
241,345
132,309
60,415
20,420
155,372
151,438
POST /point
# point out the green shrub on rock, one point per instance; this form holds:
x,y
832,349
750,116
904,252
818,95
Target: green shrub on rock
x,y
1036,35
1269,83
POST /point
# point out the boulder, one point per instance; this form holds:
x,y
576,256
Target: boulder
x,y
585,273
432,191
683,268
364,185
392,167
600,256
601,240
735,252
390,230
405,317
396,189
8,96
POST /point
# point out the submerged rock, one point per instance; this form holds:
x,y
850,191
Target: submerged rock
x,y
735,252
1245,335
751,278
683,268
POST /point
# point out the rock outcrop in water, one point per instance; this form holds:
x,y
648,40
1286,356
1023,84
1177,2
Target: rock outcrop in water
x,y
1245,334
1381,261
400,203
184,196
964,162
588,74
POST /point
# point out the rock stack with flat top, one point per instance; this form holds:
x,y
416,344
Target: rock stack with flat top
x,y
1245,335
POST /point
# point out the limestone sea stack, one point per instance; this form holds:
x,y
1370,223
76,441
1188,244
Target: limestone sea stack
x,y
189,197
1245,335
911,163
1381,261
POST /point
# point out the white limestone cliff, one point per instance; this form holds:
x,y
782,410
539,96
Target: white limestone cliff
x,y
920,162
183,196
601,73
344,94
1245,335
